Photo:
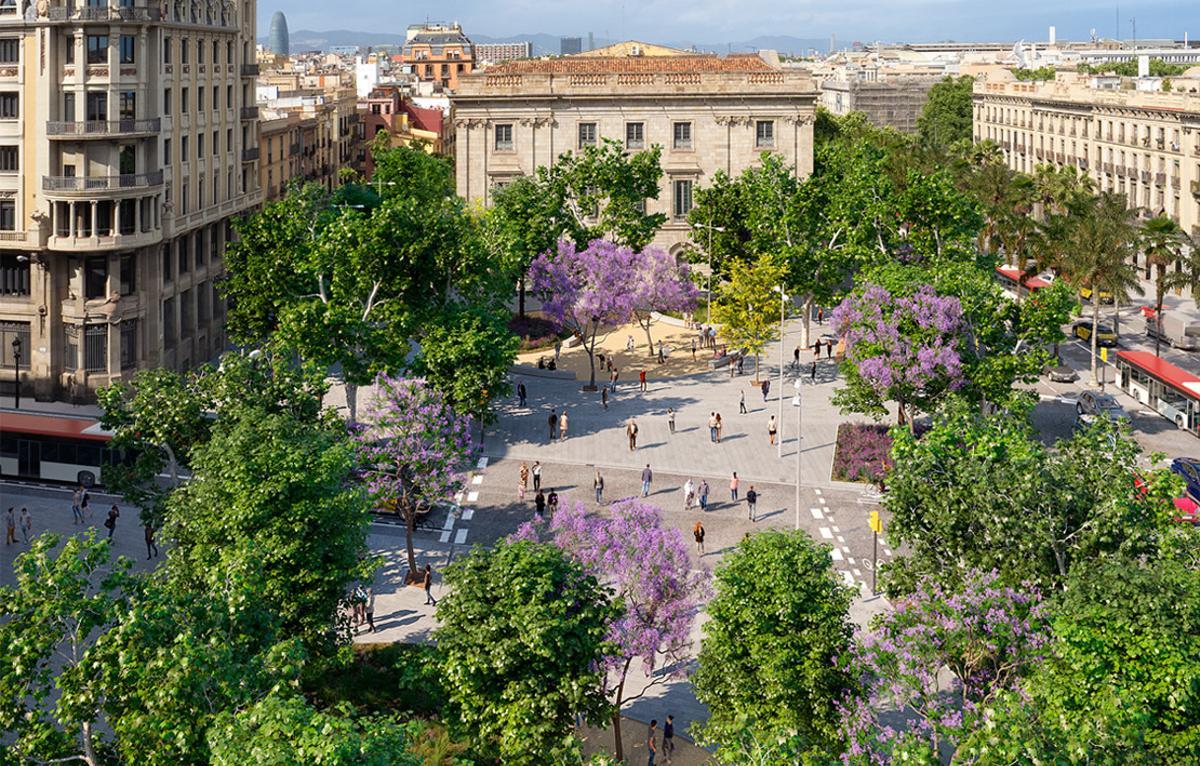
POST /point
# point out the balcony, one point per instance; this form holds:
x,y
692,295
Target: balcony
x,y
111,13
249,112
1160,179
250,154
249,70
102,128
126,182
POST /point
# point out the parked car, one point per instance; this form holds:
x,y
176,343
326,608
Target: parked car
x,y
1086,294
1106,336
1189,469
1061,373
1177,331
1093,404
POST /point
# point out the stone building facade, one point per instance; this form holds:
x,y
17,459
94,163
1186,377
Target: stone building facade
x,y
708,114
1143,143
128,141
894,102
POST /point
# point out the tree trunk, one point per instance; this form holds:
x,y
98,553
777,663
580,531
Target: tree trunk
x,y
1116,316
618,745
756,376
410,526
646,326
521,297
89,747
590,348
1095,332
806,328
352,401
1158,302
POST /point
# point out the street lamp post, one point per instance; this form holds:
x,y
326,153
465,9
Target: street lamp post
x,y
782,334
16,347
708,278
798,404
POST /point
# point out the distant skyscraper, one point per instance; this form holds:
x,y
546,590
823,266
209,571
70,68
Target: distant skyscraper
x,y
568,46
277,37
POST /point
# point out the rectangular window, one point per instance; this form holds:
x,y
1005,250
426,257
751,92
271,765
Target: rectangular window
x,y
200,148
8,215
202,294
185,314
166,151
183,154
587,134
183,51
504,137
128,49
128,274
183,101
69,107
185,255
69,48
97,49
166,264
10,108
97,106
96,347
199,99
10,51
682,135
764,134
10,159
199,51
216,142
14,274
95,277
683,198
168,322
129,350
228,97
166,50
635,135
9,332
128,105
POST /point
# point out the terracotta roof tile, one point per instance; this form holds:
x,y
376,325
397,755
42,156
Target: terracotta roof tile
x,y
735,63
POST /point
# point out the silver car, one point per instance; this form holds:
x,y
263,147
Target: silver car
x,y
1093,404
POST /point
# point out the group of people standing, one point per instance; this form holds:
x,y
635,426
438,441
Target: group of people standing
x,y
542,501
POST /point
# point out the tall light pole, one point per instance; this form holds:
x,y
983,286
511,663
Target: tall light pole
x,y
798,403
708,279
16,347
782,334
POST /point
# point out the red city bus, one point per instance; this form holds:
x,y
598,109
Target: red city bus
x,y
1161,386
1016,283
42,446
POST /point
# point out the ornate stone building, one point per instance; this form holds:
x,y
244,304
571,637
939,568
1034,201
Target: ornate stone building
x,y
128,141
708,114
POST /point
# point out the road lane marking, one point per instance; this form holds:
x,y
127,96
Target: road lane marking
x,y
445,538
816,513
472,497
826,534
836,554
460,537
478,479
482,462
467,514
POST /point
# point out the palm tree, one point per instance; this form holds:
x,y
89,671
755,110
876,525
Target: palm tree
x,y
1097,253
1063,190
1163,241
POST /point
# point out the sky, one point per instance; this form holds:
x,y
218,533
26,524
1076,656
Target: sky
x,y
719,21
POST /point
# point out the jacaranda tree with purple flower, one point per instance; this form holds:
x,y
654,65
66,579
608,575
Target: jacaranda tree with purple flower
x,y
655,586
585,290
899,348
412,448
936,662
663,284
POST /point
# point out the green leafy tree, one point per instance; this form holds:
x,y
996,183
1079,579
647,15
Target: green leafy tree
x,y
771,661
605,190
50,695
466,355
272,497
720,225
746,305
527,218
523,634
983,492
946,116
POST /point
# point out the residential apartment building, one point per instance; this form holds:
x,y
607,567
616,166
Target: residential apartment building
x,y
327,131
1143,143
494,53
386,110
278,153
894,102
708,114
128,141
438,53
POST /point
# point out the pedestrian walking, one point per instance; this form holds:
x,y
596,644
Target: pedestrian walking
x,y
562,425
817,349
539,503
429,599
702,335
693,349
766,389
557,350
552,502
720,427
26,524
151,546
76,510
772,429
647,477
604,396
537,475
642,379
369,608
671,420
651,745
828,349
689,494
698,533
820,315
552,423
730,365
703,493
796,356
85,504
10,527
741,361
668,746
523,482
712,427
629,344
733,487
110,523
752,503
358,606
598,485
631,430
742,403
521,394
812,373
613,383
712,337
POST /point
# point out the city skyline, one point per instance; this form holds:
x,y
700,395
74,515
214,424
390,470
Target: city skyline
x,y
719,21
